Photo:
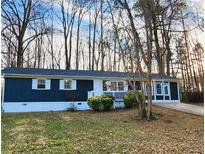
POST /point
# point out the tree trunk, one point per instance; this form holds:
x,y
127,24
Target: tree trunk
x,y
70,44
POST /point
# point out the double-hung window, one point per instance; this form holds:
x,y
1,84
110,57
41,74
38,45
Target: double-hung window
x,y
41,84
67,84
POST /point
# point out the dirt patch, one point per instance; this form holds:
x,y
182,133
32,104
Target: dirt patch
x,y
39,121
65,118
41,140
22,122
20,127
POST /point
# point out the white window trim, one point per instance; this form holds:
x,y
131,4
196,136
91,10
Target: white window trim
x,y
62,84
35,84
168,88
162,88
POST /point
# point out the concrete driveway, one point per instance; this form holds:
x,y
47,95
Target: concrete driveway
x,y
188,108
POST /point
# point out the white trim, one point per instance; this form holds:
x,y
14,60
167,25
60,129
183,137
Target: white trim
x,y
178,92
154,90
98,87
12,107
77,77
162,88
35,84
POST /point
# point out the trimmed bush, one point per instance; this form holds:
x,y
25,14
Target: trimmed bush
x,y
108,96
94,103
107,103
129,99
104,102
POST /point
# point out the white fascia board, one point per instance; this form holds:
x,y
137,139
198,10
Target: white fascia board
x,y
60,77
78,77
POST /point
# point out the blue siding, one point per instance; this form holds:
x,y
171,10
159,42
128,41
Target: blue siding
x,y
20,90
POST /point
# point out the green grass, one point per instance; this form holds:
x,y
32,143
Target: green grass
x,y
101,132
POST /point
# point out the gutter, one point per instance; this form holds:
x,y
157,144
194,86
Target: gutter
x,y
76,77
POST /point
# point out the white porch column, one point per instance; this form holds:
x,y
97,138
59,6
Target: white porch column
x,y
163,92
98,87
178,91
154,90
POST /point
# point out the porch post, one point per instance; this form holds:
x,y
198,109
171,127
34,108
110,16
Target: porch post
x,y
154,90
163,91
178,92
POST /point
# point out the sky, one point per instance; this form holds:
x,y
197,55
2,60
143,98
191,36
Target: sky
x,y
196,6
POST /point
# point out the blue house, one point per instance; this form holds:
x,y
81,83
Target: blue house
x,y
33,90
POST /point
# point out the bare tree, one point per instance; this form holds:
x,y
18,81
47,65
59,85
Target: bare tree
x,y
67,23
17,17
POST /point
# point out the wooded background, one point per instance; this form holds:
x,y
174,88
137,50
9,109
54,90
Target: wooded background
x,y
156,36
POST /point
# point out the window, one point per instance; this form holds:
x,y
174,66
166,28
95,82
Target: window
x,y
137,85
166,90
67,84
106,85
120,86
113,85
41,84
159,88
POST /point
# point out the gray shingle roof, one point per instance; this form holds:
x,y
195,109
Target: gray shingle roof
x,y
75,73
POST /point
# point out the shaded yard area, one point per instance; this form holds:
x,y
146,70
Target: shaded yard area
x,y
102,132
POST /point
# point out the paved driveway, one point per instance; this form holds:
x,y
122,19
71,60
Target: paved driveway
x,y
188,108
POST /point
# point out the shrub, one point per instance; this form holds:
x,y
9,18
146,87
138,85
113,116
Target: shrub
x,y
104,102
107,102
94,103
129,99
108,96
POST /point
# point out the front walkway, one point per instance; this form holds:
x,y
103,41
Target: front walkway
x,y
188,108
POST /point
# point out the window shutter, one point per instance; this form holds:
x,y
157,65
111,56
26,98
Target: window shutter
x,y
61,84
34,83
74,85
48,84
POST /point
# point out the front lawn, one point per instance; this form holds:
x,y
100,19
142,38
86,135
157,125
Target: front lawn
x,y
102,132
